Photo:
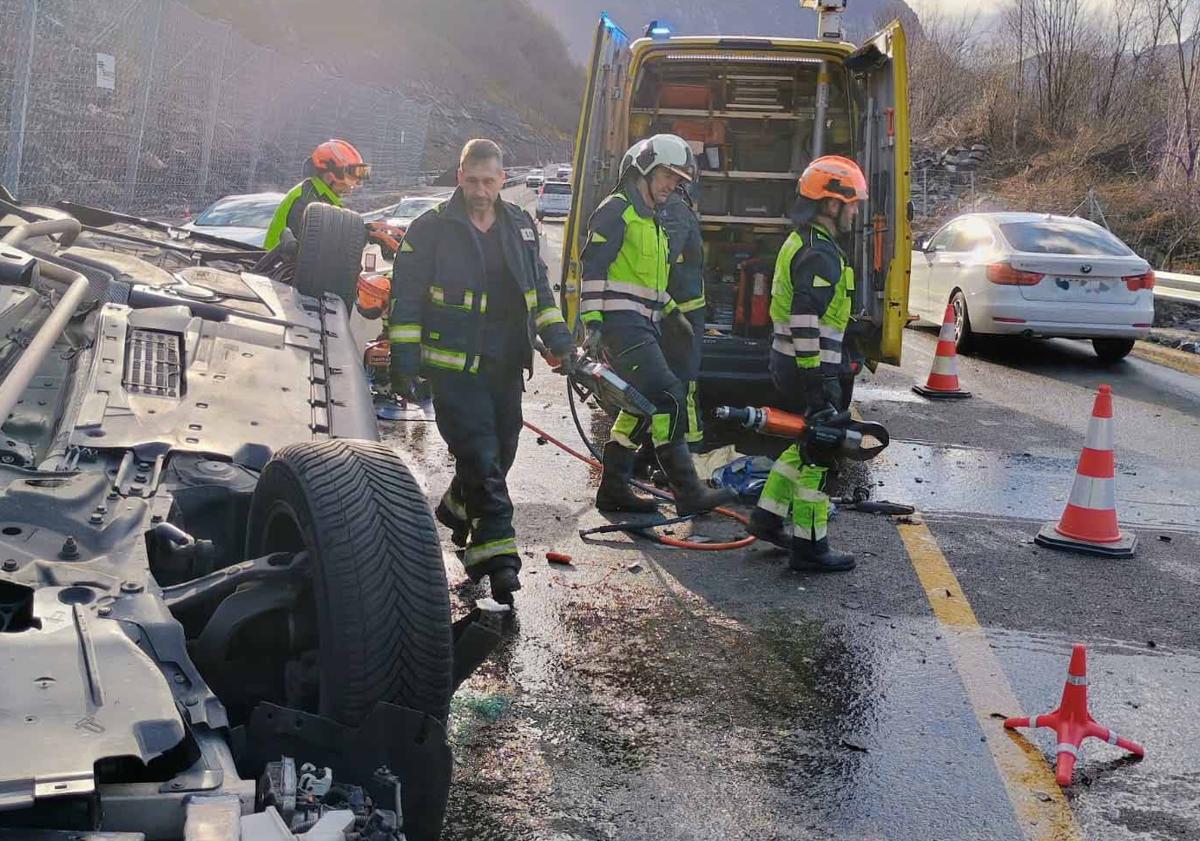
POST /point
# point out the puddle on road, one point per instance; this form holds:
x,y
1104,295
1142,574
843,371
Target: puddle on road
x,y
967,480
637,714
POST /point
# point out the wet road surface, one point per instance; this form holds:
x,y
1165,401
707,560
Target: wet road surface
x,y
646,692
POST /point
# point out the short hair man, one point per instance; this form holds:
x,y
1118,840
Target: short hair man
x,y
469,289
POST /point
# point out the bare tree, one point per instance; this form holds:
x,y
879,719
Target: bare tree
x,y
1059,36
1183,33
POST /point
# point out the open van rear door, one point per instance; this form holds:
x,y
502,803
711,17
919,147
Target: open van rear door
x,y
881,67
599,145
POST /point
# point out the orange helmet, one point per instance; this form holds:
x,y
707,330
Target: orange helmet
x,y
833,177
341,160
374,293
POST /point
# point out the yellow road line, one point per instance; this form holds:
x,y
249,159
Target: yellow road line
x,y
1041,809
1188,363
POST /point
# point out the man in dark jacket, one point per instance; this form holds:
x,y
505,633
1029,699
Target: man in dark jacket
x,y
335,169
469,287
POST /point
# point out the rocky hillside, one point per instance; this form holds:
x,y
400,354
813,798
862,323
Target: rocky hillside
x,y
577,18
498,68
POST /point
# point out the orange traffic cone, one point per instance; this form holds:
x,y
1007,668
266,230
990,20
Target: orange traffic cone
x,y
1089,523
943,378
1072,721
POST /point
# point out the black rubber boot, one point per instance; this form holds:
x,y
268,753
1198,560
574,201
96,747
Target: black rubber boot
x,y
816,556
691,495
768,527
460,530
614,493
504,582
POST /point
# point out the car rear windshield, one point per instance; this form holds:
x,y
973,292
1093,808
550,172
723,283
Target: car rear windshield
x,y
413,208
1053,236
239,214
554,189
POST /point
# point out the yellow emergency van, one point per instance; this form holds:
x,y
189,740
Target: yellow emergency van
x,y
756,111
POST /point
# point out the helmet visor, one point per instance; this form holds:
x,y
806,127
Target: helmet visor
x,y
358,172
682,172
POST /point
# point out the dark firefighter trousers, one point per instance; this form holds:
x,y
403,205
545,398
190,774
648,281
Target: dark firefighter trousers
x,y
635,354
479,417
683,355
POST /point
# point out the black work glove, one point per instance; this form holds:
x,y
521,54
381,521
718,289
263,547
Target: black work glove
x,y
403,385
566,363
678,324
832,391
813,384
591,343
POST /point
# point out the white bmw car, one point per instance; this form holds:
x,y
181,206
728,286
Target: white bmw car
x,y
1033,274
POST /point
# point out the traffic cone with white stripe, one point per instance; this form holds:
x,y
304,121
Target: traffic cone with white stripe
x,y
943,377
1089,523
1072,721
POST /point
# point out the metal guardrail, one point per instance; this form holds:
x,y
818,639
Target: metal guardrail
x,y
1177,287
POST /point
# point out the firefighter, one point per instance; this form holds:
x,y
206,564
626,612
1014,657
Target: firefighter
x,y
626,307
468,290
810,307
685,285
335,168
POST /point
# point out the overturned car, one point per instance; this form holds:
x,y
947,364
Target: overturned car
x,y
223,607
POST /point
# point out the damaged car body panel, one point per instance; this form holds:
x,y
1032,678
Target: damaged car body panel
x,y
160,608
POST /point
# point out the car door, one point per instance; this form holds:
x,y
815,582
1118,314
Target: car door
x,y
881,69
599,145
943,265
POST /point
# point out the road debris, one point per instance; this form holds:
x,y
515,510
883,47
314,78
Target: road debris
x,y
559,558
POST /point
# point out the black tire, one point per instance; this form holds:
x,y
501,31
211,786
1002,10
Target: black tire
x,y
379,593
1112,350
964,337
330,252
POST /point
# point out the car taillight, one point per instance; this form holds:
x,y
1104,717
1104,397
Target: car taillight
x,y
1005,275
1134,282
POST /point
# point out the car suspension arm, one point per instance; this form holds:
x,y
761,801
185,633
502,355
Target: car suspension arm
x,y
282,565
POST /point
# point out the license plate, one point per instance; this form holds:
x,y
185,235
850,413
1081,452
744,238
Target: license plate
x,y
1089,284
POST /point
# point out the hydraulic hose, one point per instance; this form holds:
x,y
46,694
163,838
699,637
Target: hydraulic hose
x,y
595,461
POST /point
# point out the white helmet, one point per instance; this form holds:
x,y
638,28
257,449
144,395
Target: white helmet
x,y
668,150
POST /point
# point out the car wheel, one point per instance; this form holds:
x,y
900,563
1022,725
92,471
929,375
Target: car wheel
x,y
964,338
378,598
329,258
1112,350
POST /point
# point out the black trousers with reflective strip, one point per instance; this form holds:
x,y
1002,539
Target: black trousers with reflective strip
x,y
479,417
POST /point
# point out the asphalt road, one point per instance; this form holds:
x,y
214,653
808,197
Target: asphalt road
x,y
646,692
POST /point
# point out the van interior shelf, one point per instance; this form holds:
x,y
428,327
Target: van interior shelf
x,y
745,220
747,176
734,115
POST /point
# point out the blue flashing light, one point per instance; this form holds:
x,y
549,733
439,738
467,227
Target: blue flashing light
x,y
657,31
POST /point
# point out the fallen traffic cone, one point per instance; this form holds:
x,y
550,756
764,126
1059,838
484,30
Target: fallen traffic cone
x,y
1072,721
943,377
1089,523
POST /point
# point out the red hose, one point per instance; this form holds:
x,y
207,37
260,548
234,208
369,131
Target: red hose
x,y
666,541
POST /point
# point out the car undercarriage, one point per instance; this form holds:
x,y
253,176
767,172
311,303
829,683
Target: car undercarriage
x,y
222,601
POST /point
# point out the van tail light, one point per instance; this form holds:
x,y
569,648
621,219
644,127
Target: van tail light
x,y
1134,282
1004,274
